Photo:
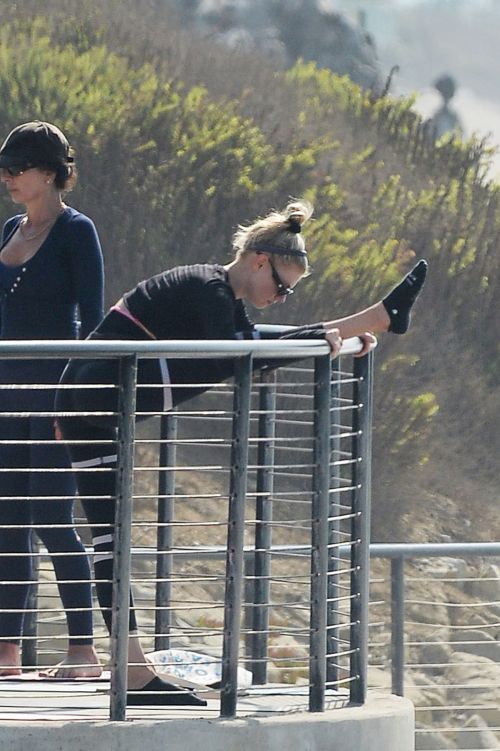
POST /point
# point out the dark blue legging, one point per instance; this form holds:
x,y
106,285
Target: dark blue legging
x,y
33,497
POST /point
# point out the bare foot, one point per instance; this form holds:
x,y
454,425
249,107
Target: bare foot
x,y
139,675
81,662
10,659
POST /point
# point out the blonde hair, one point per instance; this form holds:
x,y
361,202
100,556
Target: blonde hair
x,y
277,233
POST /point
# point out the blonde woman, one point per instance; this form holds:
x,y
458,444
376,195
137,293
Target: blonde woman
x,y
205,301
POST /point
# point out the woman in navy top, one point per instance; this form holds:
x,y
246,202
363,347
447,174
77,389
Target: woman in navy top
x,y
204,301
51,273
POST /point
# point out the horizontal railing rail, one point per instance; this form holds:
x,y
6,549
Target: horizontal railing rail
x,y
177,348
434,550
377,550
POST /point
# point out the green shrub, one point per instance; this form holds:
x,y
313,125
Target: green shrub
x,y
175,149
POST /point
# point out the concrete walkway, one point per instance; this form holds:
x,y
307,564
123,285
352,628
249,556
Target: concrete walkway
x,y
42,715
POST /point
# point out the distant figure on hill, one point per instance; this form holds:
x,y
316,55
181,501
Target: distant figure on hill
x,y
445,120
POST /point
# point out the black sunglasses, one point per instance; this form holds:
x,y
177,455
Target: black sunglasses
x,y
282,290
17,169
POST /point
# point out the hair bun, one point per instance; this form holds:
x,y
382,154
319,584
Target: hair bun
x,y
294,224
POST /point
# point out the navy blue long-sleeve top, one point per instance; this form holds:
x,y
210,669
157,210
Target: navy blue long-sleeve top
x,y
62,283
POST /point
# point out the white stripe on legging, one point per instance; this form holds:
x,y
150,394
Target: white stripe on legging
x,y
102,539
98,557
95,462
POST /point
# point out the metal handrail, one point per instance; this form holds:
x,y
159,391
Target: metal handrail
x,y
175,348
433,549
320,550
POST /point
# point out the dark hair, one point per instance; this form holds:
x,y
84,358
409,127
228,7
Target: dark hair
x,y
66,174
42,145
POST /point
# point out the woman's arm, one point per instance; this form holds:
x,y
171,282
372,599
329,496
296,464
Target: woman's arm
x,y
88,272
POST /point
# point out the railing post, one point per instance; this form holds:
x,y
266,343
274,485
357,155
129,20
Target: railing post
x,y
166,491
360,527
398,625
263,532
332,636
319,533
235,535
122,541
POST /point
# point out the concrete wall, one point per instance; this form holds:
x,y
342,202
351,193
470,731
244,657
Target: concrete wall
x,y
384,723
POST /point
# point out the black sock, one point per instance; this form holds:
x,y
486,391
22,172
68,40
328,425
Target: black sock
x,y
398,303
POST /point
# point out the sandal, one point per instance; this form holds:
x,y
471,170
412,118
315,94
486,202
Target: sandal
x,y
160,692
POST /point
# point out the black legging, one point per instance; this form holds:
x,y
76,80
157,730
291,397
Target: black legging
x,y
94,459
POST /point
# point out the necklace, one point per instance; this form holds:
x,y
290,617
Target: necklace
x,y
43,227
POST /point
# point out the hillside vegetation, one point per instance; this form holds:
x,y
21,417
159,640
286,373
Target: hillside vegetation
x,y
179,140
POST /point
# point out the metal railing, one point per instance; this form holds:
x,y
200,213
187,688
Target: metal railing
x,y
286,458
434,637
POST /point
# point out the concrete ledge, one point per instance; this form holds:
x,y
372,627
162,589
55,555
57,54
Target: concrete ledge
x,y
384,723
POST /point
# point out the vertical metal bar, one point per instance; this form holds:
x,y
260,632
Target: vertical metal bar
x,y
319,533
332,638
122,541
360,527
248,599
29,656
235,535
263,531
398,625
164,539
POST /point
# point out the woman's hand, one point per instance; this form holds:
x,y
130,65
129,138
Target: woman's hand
x,y
334,340
57,431
369,343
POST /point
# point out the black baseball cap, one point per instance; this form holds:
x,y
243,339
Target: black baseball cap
x,y
33,144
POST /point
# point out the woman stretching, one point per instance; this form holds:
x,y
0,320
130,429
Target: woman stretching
x,y
197,302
